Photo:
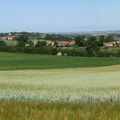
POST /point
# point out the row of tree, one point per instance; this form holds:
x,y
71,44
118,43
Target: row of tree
x,y
83,40
91,46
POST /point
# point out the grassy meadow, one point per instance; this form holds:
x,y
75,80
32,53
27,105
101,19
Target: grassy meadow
x,y
35,87
54,111
14,61
11,43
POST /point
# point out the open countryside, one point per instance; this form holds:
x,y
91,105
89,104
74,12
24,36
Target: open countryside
x,y
60,60
60,80
54,86
14,61
61,85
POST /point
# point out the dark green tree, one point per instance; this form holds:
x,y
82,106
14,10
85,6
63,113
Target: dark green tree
x,y
2,45
92,46
109,38
22,40
80,40
30,44
101,40
41,44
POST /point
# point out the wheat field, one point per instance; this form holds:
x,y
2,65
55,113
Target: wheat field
x,y
61,85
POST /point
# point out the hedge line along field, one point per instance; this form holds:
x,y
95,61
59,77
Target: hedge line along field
x,y
14,61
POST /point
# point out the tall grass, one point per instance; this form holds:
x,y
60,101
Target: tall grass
x,y
61,85
56,111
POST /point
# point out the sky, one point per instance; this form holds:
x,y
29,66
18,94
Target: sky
x,y
59,15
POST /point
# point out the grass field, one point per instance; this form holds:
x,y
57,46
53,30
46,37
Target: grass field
x,y
54,111
12,61
35,87
10,42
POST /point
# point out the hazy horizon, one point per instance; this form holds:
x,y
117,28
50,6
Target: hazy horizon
x,y
59,16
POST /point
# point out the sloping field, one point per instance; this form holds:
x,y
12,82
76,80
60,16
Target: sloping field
x,y
62,85
14,61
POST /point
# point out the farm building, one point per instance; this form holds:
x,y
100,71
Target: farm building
x,y
64,43
8,37
108,44
50,43
111,44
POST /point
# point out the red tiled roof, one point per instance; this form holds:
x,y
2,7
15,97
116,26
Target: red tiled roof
x,y
65,43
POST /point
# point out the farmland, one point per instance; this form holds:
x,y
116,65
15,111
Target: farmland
x,y
59,88
55,111
14,61
11,43
65,85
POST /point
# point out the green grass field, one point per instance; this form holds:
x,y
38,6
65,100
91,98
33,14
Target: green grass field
x,y
35,87
10,42
13,61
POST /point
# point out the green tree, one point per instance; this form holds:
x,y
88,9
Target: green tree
x,y
22,40
92,46
101,40
30,44
2,45
109,38
80,40
41,44
54,51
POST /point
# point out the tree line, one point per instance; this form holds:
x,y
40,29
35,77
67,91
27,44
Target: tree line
x,y
91,47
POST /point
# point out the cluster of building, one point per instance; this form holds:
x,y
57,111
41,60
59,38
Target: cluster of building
x,y
111,44
62,43
72,43
8,37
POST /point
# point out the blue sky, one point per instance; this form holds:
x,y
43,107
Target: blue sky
x,y
59,15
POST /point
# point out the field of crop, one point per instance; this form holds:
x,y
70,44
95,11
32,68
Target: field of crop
x,y
61,85
55,111
14,61
59,88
